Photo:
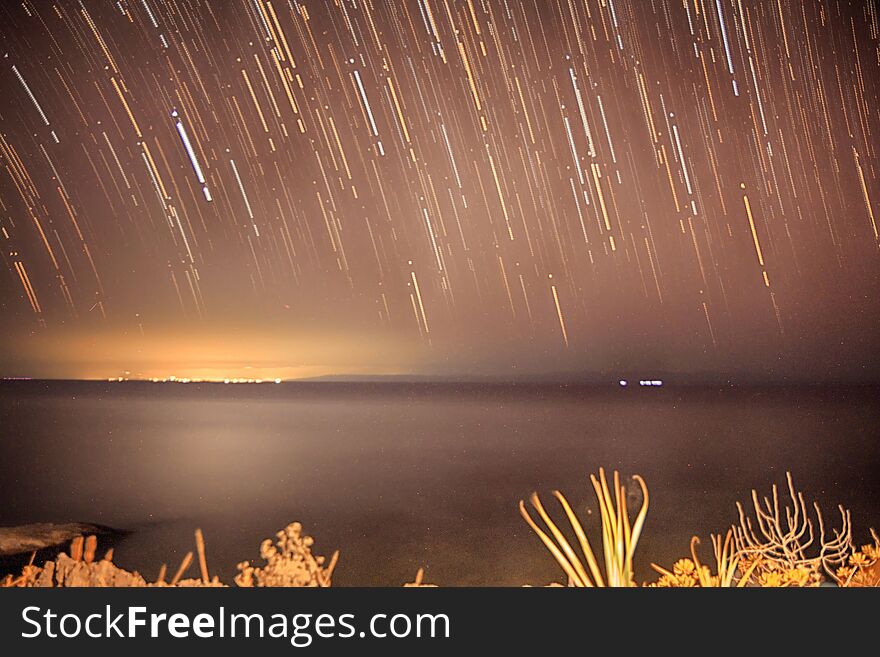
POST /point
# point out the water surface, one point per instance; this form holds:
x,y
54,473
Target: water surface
x,y
399,476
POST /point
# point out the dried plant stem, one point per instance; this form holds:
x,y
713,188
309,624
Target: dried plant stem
x,y
184,565
203,562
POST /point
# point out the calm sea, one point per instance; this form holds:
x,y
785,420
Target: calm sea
x,y
399,476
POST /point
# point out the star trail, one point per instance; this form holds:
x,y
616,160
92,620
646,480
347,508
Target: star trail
x,y
491,184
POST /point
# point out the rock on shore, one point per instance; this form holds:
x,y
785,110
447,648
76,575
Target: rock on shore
x,y
32,538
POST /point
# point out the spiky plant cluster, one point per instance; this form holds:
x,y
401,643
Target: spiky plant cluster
x,y
783,538
783,546
690,573
619,537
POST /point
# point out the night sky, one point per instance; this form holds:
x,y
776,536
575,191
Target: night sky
x,y
453,187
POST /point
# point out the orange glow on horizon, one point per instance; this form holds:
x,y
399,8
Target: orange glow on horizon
x,y
247,354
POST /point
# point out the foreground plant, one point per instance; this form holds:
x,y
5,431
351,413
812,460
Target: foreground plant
x,y
419,581
289,562
690,573
783,539
619,537
780,548
863,567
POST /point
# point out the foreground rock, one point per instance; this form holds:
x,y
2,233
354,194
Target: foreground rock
x,y
32,538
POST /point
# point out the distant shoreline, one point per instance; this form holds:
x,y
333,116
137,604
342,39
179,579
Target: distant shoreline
x,y
669,381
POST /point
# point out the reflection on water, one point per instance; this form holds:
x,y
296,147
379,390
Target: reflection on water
x,y
400,476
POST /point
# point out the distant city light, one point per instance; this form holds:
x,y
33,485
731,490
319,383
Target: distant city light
x,y
177,379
